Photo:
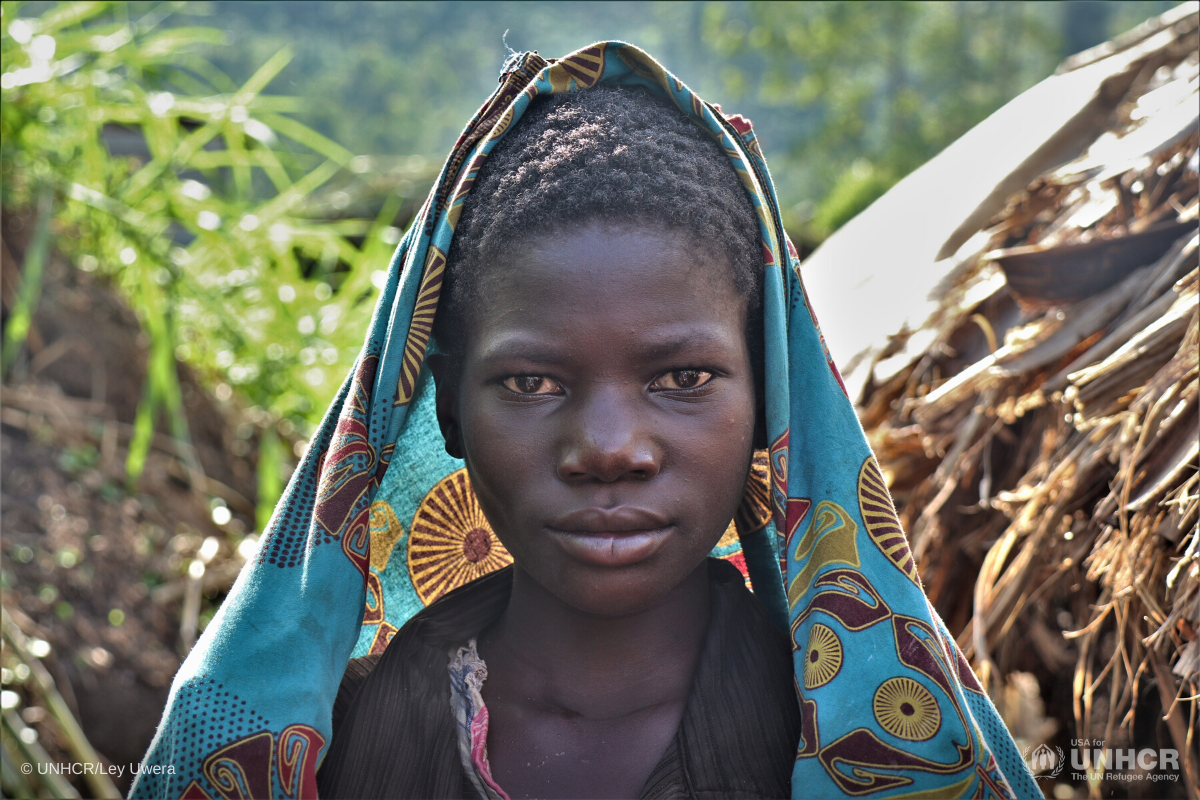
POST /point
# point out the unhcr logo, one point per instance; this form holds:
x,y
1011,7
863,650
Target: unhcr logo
x,y
1045,762
1092,761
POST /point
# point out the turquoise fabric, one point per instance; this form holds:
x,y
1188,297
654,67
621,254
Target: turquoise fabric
x,y
377,521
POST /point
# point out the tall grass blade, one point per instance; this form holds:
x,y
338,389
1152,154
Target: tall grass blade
x,y
71,14
143,434
265,74
31,281
270,484
75,743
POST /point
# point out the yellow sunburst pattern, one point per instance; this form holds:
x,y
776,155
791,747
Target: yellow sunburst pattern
x,y
906,709
421,326
879,515
822,656
450,542
754,512
583,67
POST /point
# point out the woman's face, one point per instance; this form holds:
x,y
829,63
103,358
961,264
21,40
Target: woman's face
x,y
605,408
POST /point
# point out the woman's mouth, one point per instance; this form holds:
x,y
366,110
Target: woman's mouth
x,y
611,537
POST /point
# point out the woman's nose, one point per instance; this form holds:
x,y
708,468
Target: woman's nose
x,y
608,441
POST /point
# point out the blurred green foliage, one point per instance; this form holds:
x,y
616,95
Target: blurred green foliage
x,y
829,85
854,190
882,87
194,195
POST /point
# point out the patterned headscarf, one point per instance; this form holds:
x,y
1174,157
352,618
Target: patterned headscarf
x,y
378,522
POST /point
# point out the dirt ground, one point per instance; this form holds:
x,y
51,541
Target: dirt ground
x,y
93,568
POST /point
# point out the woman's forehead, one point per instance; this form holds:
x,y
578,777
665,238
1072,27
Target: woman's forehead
x,y
648,291
604,256
651,343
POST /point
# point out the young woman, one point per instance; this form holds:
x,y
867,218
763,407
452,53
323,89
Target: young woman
x,y
593,367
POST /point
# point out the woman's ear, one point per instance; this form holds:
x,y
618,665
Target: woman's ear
x,y
446,384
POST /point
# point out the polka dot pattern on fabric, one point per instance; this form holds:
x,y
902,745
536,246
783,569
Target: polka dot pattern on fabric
x,y
209,716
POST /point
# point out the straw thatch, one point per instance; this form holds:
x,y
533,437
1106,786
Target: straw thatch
x,y
1039,430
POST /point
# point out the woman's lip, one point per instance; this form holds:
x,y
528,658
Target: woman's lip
x,y
612,548
616,521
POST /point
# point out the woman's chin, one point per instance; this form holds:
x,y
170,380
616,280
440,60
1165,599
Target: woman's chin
x,y
611,591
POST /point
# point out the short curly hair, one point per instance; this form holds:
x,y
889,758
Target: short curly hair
x,y
612,154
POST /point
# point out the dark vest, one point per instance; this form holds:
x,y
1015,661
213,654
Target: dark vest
x,y
394,735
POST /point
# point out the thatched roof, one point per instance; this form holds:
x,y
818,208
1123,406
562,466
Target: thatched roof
x,y
1018,323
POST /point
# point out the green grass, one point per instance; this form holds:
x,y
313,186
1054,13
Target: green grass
x,y
193,197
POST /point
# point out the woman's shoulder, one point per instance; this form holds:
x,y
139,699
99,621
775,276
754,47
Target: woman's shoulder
x,y
354,677
738,612
393,733
445,624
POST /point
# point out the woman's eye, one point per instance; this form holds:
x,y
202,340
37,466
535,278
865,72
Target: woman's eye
x,y
681,379
532,384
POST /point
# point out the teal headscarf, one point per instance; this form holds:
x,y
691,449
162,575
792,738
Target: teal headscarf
x,y
378,521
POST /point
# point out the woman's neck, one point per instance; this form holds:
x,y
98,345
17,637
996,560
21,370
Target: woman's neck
x,y
555,657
